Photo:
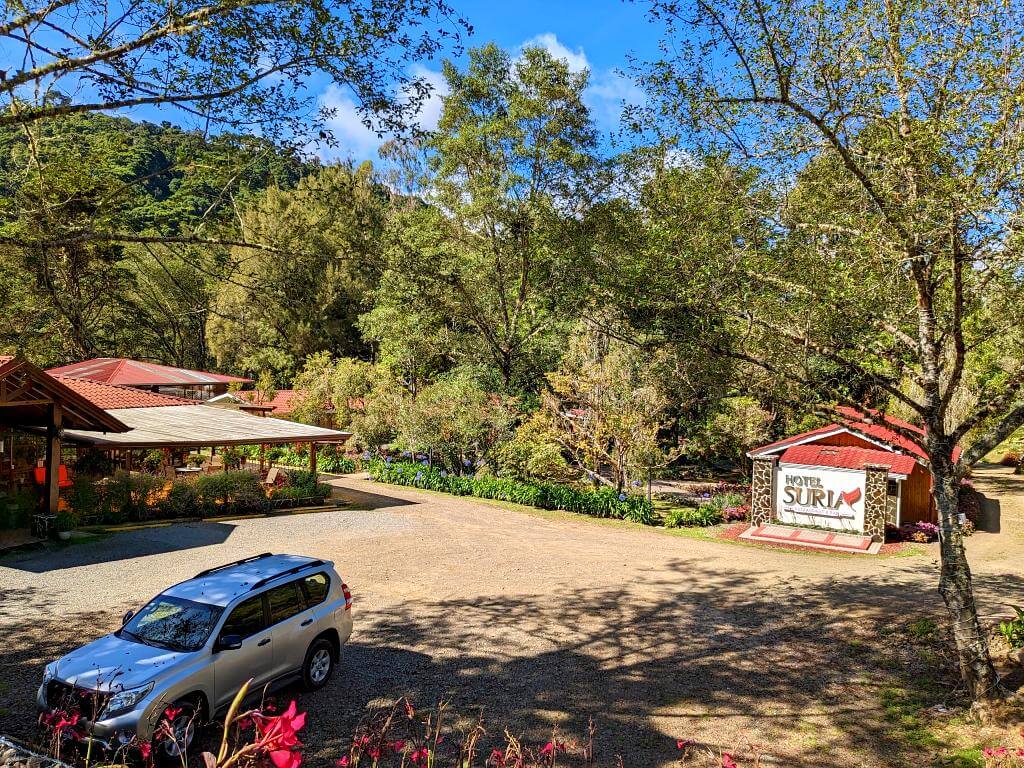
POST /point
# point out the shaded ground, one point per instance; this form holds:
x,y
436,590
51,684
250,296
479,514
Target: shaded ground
x,y
547,619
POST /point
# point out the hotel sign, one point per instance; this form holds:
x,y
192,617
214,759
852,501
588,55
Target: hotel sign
x,y
826,497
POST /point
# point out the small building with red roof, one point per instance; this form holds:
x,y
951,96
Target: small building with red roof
x,y
857,474
139,374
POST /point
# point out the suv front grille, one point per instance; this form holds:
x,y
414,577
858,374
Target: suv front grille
x,y
60,695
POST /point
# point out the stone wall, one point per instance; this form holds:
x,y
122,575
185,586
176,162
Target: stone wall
x,y
762,490
875,500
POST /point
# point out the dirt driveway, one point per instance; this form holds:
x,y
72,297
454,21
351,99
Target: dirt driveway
x,y
546,620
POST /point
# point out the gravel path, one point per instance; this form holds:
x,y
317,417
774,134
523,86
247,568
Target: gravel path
x,y
546,619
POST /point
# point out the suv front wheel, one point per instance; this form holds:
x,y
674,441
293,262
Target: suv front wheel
x,y
319,664
176,733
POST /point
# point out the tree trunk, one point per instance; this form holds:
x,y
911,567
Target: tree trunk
x,y
957,592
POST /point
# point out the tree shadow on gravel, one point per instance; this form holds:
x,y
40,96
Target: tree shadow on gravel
x,y
127,545
801,666
718,661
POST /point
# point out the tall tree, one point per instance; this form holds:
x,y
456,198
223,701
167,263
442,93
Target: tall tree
x,y
898,253
498,250
273,312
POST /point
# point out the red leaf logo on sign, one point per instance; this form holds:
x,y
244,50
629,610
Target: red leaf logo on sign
x,y
850,497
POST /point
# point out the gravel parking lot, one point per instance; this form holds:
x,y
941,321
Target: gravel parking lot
x,y
545,620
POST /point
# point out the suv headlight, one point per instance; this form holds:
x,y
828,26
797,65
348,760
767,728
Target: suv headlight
x,y
127,699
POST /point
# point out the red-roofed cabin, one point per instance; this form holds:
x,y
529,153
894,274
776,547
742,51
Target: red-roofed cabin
x,y
153,377
819,476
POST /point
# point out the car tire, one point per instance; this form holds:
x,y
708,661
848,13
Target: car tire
x,y
319,664
185,730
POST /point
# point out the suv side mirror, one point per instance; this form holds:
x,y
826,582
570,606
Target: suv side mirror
x,y
228,643
127,617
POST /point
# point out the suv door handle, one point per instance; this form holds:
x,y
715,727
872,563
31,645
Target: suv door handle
x,y
263,642
306,623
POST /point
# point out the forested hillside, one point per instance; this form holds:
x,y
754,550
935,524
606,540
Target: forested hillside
x,y
87,174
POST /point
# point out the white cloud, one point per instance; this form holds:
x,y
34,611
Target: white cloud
x,y
430,110
608,93
354,138
577,60
609,90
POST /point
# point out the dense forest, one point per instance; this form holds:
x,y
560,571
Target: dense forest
x,y
814,207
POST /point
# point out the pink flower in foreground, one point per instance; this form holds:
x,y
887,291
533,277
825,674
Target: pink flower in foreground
x,y
419,757
342,762
171,713
685,743
727,761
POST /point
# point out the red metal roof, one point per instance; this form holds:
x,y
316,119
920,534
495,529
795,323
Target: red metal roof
x,y
853,421
110,396
137,373
847,457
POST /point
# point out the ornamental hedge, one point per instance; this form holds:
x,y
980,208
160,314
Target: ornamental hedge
x,y
329,458
601,502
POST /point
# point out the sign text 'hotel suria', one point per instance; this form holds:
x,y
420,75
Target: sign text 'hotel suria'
x,y
806,494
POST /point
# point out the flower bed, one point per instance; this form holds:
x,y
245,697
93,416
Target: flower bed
x,y
602,502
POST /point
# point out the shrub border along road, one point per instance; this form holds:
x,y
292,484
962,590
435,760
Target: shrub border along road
x,y
602,502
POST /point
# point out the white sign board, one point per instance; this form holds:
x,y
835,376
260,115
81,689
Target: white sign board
x,y
820,496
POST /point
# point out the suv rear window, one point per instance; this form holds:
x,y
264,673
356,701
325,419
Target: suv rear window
x,y
316,588
247,619
285,601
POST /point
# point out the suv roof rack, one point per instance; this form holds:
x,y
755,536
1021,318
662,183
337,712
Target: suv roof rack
x,y
289,572
208,571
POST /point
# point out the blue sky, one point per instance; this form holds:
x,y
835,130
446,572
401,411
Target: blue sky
x,y
597,35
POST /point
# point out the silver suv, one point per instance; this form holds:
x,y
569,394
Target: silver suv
x,y
182,657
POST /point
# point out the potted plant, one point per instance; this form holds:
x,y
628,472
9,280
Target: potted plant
x,y
65,523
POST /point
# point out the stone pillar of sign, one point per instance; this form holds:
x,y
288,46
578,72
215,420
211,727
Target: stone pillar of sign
x,y
875,499
762,490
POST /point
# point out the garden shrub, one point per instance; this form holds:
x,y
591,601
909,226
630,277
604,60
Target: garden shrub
x,y
1013,630
329,458
182,500
231,492
153,460
921,533
233,456
129,498
736,514
83,497
688,517
1010,459
16,509
94,464
602,502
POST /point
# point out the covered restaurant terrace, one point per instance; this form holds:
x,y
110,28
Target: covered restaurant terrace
x,y
34,404
81,418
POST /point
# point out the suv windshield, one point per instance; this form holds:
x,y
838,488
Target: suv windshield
x,y
174,623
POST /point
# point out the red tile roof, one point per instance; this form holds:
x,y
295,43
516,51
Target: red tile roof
x,y
110,396
847,457
137,373
285,401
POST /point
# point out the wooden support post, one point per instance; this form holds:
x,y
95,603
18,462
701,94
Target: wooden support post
x,y
312,457
53,430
